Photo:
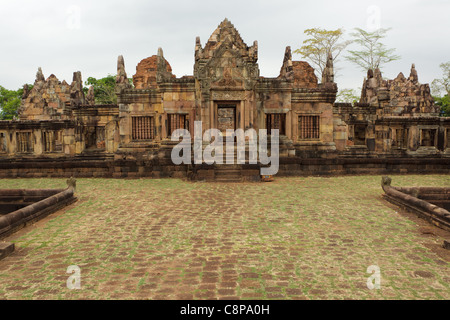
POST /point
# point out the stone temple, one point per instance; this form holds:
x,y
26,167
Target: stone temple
x,y
395,128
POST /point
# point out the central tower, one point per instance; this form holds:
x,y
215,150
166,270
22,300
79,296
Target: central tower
x,y
226,73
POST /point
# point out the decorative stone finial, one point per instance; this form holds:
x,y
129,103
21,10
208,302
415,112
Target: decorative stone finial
x,y
160,52
90,98
413,75
77,77
328,72
287,68
76,90
40,75
198,49
121,66
26,91
121,78
253,51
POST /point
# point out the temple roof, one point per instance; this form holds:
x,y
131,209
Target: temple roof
x,y
226,30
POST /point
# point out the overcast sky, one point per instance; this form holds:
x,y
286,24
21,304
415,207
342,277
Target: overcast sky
x,y
88,36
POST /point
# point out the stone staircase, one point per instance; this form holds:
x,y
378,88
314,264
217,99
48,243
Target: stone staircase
x,y
228,172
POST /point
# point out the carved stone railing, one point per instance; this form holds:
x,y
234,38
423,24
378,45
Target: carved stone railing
x,y
409,199
52,201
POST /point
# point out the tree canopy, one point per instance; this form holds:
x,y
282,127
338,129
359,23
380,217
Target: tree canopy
x,y
443,84
372,54
104,89
10,102
441,89
444,103
347,96
320,44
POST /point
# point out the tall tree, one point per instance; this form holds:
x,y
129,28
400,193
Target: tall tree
x,y
320,44
372,54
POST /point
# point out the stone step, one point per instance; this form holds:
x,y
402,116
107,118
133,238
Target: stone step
x,y
228,179
228,173
225,166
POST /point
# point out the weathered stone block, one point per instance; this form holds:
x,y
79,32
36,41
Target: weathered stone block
x,y
6,248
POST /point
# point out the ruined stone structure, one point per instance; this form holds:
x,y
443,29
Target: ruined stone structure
x,y
395,117
395,128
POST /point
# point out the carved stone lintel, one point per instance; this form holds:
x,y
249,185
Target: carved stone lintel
x,y
228,95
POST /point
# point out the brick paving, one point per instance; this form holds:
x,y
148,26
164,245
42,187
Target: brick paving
x,y
294,238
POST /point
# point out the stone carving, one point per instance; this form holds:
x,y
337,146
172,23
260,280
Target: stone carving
x,y
385,181
228,95
226,61
72,183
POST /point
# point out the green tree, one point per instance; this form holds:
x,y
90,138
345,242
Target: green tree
x,y
320,44
347,96
10,102
372,54
444,103
104,89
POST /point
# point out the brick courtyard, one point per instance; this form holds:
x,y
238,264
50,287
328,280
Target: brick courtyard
x,y
294,238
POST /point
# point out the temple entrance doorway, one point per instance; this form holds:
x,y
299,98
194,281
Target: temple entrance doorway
x,y
226,117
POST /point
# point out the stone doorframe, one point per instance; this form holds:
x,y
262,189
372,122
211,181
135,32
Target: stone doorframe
x,y
226,117
238,113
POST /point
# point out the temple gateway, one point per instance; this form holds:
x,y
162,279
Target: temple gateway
x,y
395,128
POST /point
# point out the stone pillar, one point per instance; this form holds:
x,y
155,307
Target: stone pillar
x,y
288,124
11,142
38,147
